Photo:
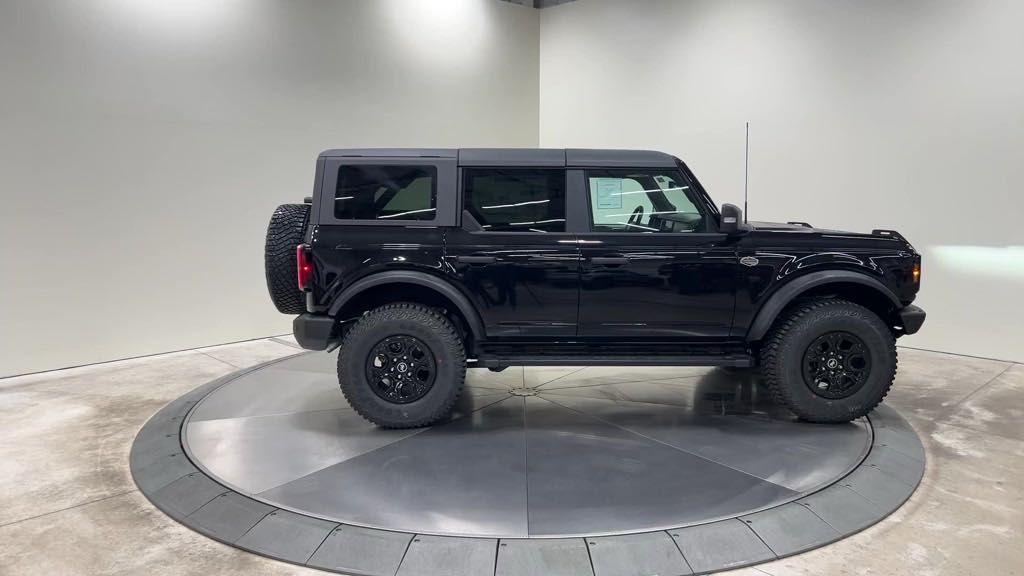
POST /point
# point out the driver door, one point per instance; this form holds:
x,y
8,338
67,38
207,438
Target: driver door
x,y
653,262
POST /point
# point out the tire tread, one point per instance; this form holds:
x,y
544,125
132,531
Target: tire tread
x,y
782,393
436,322
285,231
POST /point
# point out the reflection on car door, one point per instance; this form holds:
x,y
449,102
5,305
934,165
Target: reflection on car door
x,y
658,285
523,284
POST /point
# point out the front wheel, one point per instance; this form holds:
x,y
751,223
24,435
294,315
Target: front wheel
x,y
829,360
402,366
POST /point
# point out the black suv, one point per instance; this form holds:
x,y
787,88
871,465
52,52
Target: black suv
x,y
420,263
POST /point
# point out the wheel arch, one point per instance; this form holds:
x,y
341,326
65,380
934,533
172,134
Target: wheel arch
x,y
853,286
407,286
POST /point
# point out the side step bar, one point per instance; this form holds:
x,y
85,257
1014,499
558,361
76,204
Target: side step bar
x,y
730,360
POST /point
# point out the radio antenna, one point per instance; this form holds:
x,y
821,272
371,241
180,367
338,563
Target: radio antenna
x,y
746,171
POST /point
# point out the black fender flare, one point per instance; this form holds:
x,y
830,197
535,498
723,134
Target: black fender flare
x,y
791,290
439,285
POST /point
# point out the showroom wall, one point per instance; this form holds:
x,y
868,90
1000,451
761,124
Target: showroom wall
x,y
875,114
145,144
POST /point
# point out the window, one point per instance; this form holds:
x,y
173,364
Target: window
x,y
642,201
391,192
516,199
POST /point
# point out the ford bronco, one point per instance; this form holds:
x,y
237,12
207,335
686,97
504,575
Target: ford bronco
x,y
421,263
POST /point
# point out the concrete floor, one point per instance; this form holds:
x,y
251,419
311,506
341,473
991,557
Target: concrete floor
x,y
68,504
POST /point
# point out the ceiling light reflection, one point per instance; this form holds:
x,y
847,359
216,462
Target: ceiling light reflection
x,y
449,31
171,16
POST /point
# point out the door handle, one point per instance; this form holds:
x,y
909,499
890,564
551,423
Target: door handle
x,y
476,259
609,260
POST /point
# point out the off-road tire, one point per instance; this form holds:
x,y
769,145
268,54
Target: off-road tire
x,y
423,323
796,328
284,234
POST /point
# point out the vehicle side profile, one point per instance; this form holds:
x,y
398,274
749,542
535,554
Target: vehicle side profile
x,y
420,263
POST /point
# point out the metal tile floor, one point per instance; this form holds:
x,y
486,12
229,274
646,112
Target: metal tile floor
x,y
580,455
68,504
554,472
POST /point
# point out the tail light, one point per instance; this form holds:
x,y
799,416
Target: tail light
x,y
304,266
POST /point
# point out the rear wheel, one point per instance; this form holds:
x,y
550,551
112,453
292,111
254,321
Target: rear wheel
x,y
402,366
829,360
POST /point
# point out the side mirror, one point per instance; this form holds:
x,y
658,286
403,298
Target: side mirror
x,y
732,220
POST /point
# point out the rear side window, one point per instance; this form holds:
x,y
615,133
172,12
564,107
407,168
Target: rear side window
x,y
516,199
391,192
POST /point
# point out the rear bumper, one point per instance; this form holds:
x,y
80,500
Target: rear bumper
x,y
911,318
314,331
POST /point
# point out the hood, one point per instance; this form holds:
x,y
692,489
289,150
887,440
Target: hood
x,y
781,226
800,227
803,227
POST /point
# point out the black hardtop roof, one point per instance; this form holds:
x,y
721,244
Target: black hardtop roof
x,y
551,157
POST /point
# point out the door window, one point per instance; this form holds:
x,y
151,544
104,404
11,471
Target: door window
x,y
386,192
642,201
516,199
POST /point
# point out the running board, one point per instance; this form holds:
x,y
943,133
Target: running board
x,y
730,360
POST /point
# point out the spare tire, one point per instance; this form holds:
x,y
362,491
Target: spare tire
x,y
284,234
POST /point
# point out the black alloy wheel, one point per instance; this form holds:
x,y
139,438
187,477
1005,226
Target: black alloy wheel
x,y
401,369
836,365
402,365
829,360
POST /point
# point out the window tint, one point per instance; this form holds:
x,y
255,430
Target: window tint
x,y
642,201
516,199
386,192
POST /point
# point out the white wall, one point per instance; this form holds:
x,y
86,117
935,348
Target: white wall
x,y
866,114
144,144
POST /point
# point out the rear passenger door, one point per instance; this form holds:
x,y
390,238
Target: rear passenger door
x,y
512,253
653,263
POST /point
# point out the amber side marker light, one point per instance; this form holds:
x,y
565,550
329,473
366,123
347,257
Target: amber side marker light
x,y
916,272
303,265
